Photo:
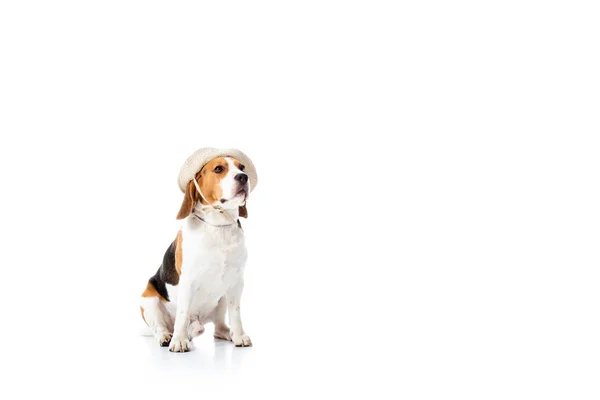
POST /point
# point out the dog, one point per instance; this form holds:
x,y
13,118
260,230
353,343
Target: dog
x,y
201,276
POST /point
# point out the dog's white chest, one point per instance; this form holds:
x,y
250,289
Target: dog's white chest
x,y
213,262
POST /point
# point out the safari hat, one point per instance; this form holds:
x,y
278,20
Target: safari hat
x,y
202,156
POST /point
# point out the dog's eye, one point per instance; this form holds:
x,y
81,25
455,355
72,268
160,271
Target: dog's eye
x,y
242,167
218,169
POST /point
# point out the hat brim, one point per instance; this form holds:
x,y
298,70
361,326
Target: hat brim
x,y
202,156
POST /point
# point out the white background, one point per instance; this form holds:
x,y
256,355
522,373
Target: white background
x,y
426,223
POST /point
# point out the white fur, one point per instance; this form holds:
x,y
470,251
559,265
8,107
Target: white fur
x,y
211,281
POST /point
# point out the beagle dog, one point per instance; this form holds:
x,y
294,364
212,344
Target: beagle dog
x,y
201,275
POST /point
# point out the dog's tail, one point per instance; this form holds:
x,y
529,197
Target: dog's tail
x,y
145,329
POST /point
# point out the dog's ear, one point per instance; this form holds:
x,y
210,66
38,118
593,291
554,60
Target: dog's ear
x,y
243,211
190,198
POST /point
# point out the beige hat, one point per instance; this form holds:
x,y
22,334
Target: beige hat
x,y
202,156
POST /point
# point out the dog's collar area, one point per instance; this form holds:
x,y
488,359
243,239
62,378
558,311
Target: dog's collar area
x,y
217,208
216,226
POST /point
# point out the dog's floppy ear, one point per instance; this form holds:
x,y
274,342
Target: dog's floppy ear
x,y
190,198
243,211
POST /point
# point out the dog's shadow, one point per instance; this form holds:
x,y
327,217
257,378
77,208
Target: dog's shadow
x,y
227,356
207,354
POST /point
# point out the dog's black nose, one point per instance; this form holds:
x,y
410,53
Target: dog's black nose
x,y
243,178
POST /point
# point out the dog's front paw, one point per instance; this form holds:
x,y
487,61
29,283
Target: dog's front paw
x,y
241,340
180,345
163,338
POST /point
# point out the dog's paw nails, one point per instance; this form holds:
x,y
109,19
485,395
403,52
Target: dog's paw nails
x,y
180,345
163,338
241,340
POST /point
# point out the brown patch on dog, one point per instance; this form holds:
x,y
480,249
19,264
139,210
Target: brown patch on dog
x,y
142,311
178,253
152,292
210,181
210,184
238,164
190,198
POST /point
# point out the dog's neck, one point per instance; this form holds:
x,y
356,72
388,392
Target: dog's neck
x,y
216,217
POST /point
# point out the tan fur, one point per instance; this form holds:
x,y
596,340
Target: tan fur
x,y
142,311
190,198
209,182
178,252
237,164
151,292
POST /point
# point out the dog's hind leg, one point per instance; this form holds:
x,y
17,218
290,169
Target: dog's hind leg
x,y
158,319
